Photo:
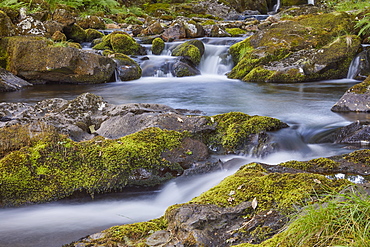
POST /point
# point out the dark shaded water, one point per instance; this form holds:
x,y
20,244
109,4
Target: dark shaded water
x,y
304,106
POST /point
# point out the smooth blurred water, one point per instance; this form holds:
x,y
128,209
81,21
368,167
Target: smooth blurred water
x,y
304,106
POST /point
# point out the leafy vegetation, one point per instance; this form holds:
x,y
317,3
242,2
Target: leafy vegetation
x,y
364,25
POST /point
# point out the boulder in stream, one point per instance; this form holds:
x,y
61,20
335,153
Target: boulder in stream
x,y
120,42
10,82
37,60
356,99
127,68
298,49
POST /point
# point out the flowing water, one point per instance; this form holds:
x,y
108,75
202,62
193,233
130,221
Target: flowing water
x,y
304,106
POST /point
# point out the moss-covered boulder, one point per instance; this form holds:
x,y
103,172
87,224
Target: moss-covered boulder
x,y
237,132
10,82
188,51
37,60
299,49
54,167
92,34
356,99
183,68
127,68
75,32
7,28
120,42
58,36
157,46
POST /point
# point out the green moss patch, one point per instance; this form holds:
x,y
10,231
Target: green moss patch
x,y
134,234
272,190
189,51
120,42
233,129
319,164
361,88
55,167
359,156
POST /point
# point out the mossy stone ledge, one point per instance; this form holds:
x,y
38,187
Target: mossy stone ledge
x,y
54,167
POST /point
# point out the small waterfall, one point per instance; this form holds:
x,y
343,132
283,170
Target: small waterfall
x,y
311,2
354,68
276,7
215,60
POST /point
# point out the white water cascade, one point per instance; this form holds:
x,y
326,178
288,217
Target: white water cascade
x,y
354,68
276,6
311,2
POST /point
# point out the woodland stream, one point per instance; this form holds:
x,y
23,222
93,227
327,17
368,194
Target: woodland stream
x,y
304,106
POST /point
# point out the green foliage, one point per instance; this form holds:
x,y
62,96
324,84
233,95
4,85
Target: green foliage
x,y
347,5
343,221
364,25
13,4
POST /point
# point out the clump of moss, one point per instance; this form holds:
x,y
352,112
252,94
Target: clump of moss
x,y
233,129
157,46
191,52
120,42
361,88
319,165
134,234
359,156
282,191
55,167
235,32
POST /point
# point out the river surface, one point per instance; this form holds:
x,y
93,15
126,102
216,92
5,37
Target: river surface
x,y
304,106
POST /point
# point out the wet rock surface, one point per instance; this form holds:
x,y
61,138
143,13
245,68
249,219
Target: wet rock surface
x,y
355,99
10,82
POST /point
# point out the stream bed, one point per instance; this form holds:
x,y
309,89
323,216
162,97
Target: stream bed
x,y
305,107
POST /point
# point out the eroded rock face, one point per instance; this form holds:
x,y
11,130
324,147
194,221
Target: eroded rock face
x,y
356,99
10,82
55,64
